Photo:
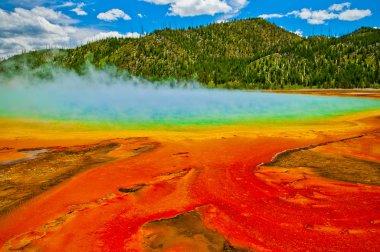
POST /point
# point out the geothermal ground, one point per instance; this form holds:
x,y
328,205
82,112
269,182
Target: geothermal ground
x,y
299,186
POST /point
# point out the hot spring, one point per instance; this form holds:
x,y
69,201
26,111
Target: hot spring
x,y
100,97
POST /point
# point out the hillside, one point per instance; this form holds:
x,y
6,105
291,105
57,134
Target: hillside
x,y
246,54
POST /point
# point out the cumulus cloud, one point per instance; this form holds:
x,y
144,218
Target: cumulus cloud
x,y
190,8
298,32
32,29
199,7
273,15
79,11
355,14
31,3
40,28
316,17
64,5
236,6
140,15
113,15
42,12
339,7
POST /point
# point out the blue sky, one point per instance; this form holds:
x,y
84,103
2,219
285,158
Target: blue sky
x,y
35,24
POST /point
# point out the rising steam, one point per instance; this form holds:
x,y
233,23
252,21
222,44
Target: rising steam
x,y
121,99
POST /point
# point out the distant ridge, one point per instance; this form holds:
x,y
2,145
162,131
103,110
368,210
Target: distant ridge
x,y
242,54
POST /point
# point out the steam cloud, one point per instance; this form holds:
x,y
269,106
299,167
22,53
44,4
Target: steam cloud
x,y
106,96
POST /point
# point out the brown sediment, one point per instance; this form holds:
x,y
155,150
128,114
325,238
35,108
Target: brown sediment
x,y
160,178
335,163
25,178
21,180
31,154
8,155
181,153
363,93
184,232
132,189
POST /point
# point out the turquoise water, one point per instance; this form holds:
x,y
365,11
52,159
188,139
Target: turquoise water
x,y
132,104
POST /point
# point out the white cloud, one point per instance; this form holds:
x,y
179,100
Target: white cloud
x,y
113,15
336,11
32,29
355,14
64,5
79,11
314,17
159,2
273,15
112,34
339,7
236,6
190,8
46,13
140,15
40,28
299,32
30,3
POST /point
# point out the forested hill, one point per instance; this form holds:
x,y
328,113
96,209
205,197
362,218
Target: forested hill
x,y
246,54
